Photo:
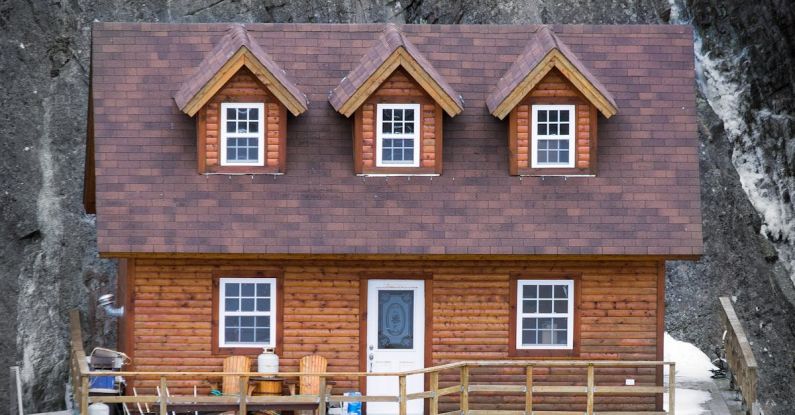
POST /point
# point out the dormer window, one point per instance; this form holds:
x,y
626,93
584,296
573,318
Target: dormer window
x,y
398,138
240,98
242,134
553,136
397,100
551,101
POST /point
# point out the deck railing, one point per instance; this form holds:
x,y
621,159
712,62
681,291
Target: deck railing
x,y
739,356
463,389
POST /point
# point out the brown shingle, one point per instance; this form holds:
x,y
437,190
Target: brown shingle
x,y
644,200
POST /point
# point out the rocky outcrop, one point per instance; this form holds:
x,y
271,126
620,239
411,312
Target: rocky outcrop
x,y
48,260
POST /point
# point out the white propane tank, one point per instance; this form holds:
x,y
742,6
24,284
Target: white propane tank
x,y
268,362
98,408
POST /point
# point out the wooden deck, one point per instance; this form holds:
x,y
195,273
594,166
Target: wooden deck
x,y
463,389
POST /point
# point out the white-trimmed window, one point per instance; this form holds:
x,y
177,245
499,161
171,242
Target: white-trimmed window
x,y
242,134
247,312
398,135
553,136
545,314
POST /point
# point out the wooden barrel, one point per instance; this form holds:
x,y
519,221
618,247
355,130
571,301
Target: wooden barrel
x,y
267,386
235,364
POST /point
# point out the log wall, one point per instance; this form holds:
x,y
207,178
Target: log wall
x,y
619,314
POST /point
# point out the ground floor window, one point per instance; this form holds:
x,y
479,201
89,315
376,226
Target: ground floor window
x,y
247,312
545,314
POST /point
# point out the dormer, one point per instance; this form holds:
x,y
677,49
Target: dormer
x,y
397,100
240,98
552,103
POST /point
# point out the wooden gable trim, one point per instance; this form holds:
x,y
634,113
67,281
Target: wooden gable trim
x,y
555,59
401,58
243,57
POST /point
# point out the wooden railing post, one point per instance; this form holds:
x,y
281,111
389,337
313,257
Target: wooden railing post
x,y
163,396
464,390
671,389
528,396
589,405
321,408
434,406
242,381
83,394
402,398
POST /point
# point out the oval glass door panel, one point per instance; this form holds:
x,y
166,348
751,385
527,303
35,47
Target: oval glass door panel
x,y
395,319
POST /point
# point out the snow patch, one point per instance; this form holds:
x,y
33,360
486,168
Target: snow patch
x,y
692,365
689,402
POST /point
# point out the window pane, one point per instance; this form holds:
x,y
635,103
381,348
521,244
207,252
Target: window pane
x,y
542,129
263,290
545,306
563,144
408,155
564,115
529,337
241,113
542,156
247,304
252,154
231,321
253,113
397,128
561,306
529,306
542,115
553,129
553,115
232,289
397,115
247,321
409,115
564,129
561,291
544,291
263,322
563,156
246,335
231,304
395,319
386,128
231,126
545,324
545,336
552,144
529,323
262,336
232,334
387,115
409,128
253,127
529,291
231,114
559,323
263,304
561,337
247,290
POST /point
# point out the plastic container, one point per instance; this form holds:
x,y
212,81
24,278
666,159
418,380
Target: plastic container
x,y
101,382
352,408
98,408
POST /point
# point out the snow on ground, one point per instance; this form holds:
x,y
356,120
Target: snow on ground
x,y
692,367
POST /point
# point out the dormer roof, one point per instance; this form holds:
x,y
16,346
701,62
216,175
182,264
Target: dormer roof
x,y
544,52
393,50
235,50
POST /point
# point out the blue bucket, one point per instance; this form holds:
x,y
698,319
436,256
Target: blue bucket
x,y
101,382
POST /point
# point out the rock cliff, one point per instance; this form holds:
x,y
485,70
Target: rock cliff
x,y
744,51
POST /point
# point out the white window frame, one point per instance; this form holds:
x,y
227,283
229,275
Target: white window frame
x,y
260,135
520,314
380,136
570,137
222,313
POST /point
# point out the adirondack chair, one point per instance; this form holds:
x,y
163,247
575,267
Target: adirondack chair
x,y
310,385
235,364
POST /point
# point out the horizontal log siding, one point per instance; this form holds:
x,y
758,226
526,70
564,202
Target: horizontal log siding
x,y
470,318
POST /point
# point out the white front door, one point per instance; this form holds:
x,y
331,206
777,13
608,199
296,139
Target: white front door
x,y
395,340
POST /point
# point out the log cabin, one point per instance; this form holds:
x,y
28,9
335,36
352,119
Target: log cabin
x,y
396,197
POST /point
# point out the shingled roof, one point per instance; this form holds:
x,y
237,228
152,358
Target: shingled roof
x,y
391,50
234,50
645,199
544,52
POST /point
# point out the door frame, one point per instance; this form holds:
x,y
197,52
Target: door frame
x,y
364,283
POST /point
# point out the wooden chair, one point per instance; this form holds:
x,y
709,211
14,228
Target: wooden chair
x,y
235,364
310,385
